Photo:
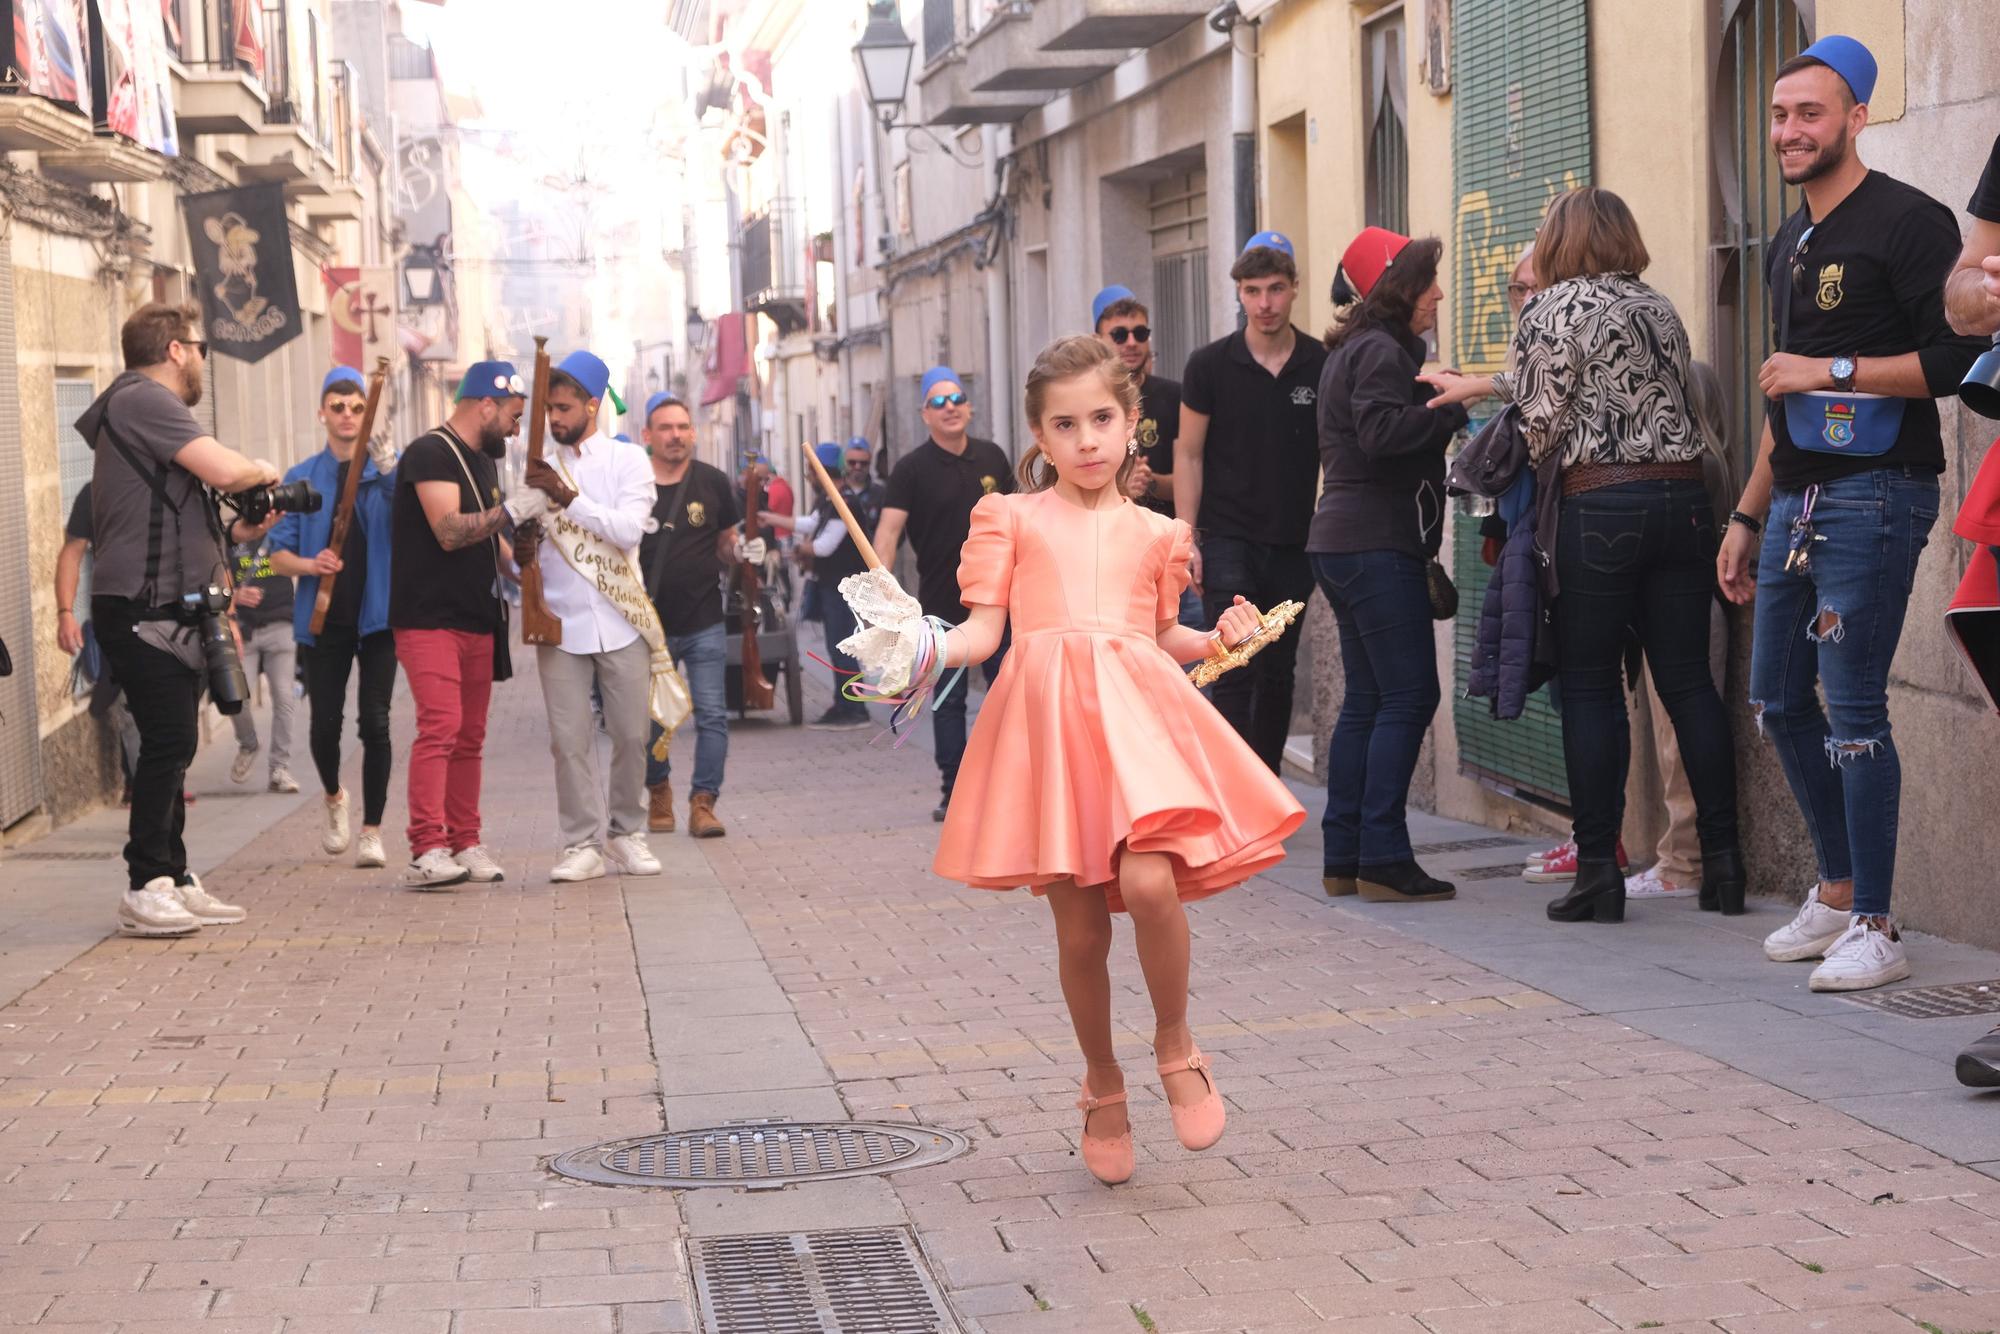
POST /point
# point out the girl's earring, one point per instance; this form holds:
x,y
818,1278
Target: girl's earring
x,y
1132,446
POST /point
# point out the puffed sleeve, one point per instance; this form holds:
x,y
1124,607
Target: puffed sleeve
x,y
1174,574
986,562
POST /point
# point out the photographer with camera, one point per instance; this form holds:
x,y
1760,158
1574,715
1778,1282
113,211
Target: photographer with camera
x,y
160,579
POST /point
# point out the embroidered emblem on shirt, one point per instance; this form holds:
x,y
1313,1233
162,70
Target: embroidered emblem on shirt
x,y
1304,396
697,514
989,484
1839,428
1149,433
1830,291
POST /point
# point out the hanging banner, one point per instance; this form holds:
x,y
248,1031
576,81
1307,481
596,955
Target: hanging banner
x,y
48,56
133,83
362,303
242,250
248,44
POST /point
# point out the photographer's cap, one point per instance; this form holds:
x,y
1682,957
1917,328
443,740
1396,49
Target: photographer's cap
x,y
492,379
340,375
1277,241
1849,59
1109,297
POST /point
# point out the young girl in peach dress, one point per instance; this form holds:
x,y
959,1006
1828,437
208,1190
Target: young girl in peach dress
x,y
1097,775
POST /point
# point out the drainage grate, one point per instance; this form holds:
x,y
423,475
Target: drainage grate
x,y
762,1155
60,856
1466,845
1950,1002
850,1281
1487,872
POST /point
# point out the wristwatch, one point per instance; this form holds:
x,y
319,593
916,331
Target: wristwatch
x,y
1842,371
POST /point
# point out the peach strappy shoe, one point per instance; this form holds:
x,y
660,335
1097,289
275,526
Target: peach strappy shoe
x,y
1198,1125
1109,1158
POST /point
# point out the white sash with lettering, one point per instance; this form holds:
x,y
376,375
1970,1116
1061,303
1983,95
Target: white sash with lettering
x,y
615,574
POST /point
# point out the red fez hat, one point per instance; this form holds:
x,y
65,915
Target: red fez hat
x,y
1369,255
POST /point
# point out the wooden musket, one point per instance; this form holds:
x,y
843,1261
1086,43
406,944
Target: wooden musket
x,y
758,692
538,624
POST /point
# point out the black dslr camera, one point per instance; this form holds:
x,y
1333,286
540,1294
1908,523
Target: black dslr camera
x,y
253,505
203,610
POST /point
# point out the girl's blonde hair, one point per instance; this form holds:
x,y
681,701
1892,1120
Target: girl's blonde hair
x,y
1065,359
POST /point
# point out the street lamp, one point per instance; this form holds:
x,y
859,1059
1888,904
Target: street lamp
x,y
420,276
885,53
696,327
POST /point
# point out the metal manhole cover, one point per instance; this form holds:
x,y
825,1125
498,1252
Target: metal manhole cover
x,y
850,1281
1487,872
61,856
762,1155
1949,1002
1466,845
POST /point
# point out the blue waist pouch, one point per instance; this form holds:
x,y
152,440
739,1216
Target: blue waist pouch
x,y
1825,422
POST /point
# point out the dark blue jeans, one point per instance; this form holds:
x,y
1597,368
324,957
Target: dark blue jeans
x,y
703,658
948,720
1837,626
838,619
1389,658
1257,697
1639,559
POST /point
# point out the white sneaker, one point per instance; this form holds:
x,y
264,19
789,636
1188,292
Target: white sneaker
x,y
155,910
1863,957
282,780
479,864
368,850
1809,934
203,906
334,840
1653,883
629,854
239,768
579,863
434,870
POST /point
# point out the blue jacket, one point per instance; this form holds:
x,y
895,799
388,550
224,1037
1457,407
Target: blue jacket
x,y
306,535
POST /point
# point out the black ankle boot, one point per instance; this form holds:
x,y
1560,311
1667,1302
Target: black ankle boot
x,y
1401,882
1597,895
1722,882
1337,881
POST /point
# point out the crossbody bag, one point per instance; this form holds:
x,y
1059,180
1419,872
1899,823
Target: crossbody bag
x,y
1825,421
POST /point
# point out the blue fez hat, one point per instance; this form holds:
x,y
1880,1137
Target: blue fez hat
x,y
492,379
936,376
1849,59
588,370
660,400
1110,296
1271,240
828,453
342,375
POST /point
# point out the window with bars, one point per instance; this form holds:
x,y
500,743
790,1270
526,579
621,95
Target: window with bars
x,y
1757,37
1177,209
1385,116
74,460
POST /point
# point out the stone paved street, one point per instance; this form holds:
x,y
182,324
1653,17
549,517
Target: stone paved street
x,y
337,1116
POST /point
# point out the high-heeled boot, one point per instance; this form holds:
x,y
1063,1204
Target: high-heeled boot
x,y
1597,895
1722,882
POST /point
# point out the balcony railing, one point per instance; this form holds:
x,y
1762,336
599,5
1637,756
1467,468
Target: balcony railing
x,y
249,38
773,259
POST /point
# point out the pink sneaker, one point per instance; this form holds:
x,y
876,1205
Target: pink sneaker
x,y
1563,866
1109,1157
1198,1125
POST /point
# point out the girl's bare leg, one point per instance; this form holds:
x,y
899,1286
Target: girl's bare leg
x,y
1083,948
1146,881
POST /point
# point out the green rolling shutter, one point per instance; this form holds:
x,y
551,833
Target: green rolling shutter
x,y
1520,136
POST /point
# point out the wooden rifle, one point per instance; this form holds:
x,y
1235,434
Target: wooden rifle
x,y
538,624
758,692
343,510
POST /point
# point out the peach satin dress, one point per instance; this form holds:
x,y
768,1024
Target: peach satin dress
x,y
1093,740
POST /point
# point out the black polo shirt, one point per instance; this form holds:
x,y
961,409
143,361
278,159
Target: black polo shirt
x,y
1871,284
1260,463
682,558
1159,427
457,590
1985,203
938,489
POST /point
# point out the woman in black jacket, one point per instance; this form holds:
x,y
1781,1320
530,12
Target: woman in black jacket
x,y
1379,522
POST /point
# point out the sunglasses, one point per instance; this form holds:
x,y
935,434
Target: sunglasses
x,y
347,409
198,344
1799,257
1138,333
943,400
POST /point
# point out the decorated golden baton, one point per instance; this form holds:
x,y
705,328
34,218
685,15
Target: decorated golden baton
x,y
867,548
343,512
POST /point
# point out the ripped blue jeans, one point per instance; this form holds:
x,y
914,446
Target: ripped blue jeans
x,y
1836,626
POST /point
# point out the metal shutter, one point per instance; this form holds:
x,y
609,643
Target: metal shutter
x,y
74,461
20,726
1520,135
1177,209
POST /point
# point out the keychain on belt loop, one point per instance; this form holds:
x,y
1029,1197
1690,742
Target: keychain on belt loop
x,y
1798,556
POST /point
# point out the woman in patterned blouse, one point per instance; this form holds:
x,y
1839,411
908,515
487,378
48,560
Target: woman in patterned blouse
x,y
1601,381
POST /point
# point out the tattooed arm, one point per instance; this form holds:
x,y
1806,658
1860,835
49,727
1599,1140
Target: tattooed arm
x,y
453,529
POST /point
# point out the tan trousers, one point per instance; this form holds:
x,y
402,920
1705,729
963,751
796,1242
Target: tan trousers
x,y
1679,848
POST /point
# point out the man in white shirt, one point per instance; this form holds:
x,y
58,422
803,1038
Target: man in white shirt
x,y
606,489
